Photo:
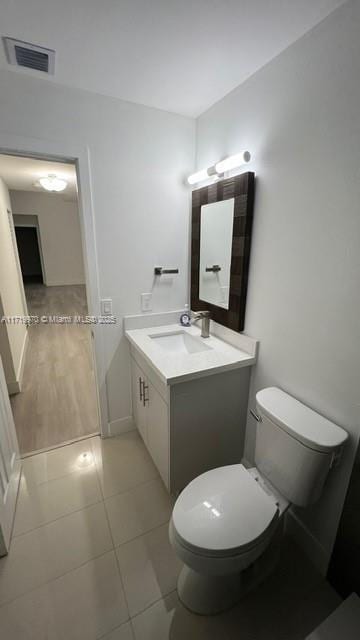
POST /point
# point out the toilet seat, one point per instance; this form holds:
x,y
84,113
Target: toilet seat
x,y
224,512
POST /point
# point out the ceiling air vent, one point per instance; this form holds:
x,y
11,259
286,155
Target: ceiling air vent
x,y
31,56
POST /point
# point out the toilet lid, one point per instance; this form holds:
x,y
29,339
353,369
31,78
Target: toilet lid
x,y
223,512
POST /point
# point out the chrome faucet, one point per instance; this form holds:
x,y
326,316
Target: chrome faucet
x,y
204,316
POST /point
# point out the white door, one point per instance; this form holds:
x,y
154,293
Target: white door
x,y
158,432
138,383
10,466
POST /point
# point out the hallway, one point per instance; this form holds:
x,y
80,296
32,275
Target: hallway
x,y
58,398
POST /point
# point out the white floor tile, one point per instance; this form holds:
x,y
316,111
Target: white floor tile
x,y
167,619
52,550
137,511
149,569
61,580
155,623
28,617
82,605
58,462
122,463
40,504
124,632
89,601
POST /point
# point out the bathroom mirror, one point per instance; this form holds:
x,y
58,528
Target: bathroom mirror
x,y
216,233
222,215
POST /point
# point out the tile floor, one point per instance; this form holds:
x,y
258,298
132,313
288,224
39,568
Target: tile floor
x,y
90,559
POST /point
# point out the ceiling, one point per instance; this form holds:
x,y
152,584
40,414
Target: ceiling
x,y
20,174
177,55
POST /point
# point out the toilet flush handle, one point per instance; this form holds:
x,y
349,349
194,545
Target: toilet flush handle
x,y
255,415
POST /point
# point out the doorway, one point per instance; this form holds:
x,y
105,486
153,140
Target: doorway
x,y
54,396
29,254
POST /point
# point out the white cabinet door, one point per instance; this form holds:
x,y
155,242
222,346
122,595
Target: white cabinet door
x,y
158,432
139,408
10,466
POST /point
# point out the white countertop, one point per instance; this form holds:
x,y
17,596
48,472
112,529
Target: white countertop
x,y
178,367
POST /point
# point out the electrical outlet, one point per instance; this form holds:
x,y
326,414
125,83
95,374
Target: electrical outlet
x,y
106,306
146,299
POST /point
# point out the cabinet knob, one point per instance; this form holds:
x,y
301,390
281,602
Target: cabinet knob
x,y
140,388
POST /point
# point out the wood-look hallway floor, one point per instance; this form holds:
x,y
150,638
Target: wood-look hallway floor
x,y
58,398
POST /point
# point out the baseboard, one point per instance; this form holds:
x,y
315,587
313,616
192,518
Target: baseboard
x,y
307,542
63,284
121,425
15,385
66,443
247,464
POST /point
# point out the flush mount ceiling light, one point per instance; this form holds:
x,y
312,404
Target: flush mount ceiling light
x,y
232,162
53,183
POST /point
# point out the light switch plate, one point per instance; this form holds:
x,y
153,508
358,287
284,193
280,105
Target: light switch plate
x,y
106,306
146,302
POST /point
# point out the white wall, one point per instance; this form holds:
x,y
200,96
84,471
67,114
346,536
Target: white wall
x,y
12,336
299,117
60,237
139,157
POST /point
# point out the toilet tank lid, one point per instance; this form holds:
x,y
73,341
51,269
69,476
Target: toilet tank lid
x,y
301,422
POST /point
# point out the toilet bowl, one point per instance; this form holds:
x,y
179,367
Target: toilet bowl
x,y
222,523
227,524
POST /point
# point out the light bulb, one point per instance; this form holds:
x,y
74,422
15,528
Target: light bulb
x,y
233,161
199,176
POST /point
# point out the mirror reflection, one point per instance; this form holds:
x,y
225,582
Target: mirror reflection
x,y
216,234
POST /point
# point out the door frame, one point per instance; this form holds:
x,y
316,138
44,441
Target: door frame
x,y
58,151
11,467
17,259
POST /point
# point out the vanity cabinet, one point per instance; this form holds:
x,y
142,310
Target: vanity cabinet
x,y
192,426
158,433
138,382
150,414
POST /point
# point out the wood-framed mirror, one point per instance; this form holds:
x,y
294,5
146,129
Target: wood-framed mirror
x,y
222,216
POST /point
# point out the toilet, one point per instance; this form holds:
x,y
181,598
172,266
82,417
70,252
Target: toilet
x,y
227,524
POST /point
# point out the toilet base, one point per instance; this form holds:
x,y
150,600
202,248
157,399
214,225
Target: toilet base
x,y
209,595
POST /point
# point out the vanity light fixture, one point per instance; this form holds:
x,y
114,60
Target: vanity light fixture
x,y
199,176
53,183
233,161
217,170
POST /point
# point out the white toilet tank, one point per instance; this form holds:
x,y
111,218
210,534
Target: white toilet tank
x,y
295,446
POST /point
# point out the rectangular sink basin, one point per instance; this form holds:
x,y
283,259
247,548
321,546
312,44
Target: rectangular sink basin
x,y
179,342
